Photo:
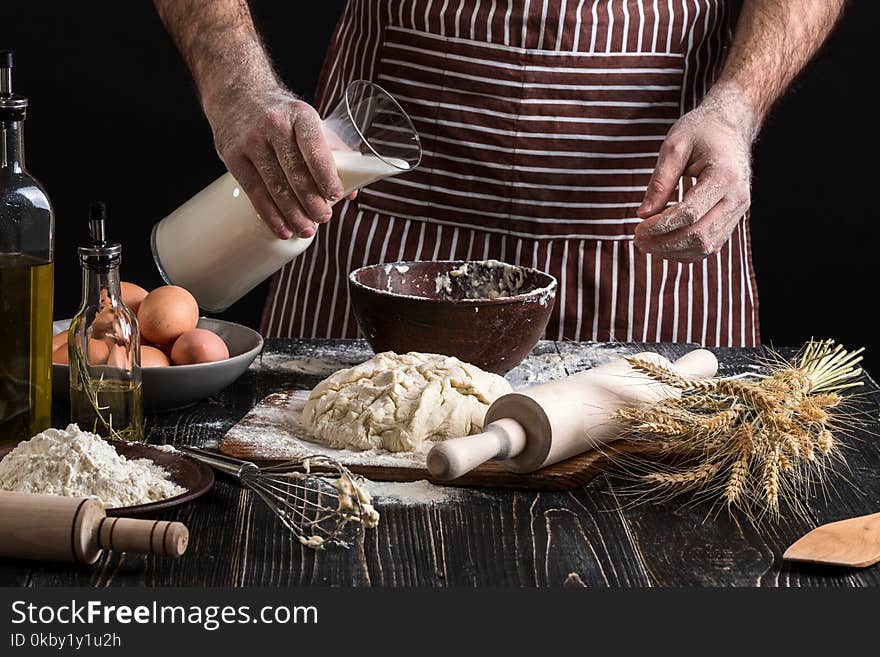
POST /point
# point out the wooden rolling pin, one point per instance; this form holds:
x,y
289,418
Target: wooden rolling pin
x,y
54,528
554,421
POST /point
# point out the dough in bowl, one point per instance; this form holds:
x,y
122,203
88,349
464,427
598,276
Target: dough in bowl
x,y
401,402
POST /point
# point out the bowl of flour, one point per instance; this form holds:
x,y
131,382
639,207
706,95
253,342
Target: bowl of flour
x,y
129,478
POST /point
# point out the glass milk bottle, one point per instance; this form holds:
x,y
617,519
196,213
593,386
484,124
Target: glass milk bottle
x,y
217,247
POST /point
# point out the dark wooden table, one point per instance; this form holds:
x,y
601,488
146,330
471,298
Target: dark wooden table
x,y
585,537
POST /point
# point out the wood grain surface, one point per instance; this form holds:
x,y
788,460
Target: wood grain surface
x,y
589,536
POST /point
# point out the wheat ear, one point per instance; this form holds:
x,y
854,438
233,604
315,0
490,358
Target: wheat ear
x,y
738,474
771,481
691,476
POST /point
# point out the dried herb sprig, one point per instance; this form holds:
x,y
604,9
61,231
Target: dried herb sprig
x,y
103,423
745,444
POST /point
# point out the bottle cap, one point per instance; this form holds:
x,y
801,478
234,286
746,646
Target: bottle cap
x,y
12,106
99,253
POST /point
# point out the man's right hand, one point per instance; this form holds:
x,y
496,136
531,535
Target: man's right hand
x,y
274,146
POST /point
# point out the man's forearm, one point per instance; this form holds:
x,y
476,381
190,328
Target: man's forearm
x,y
219,43
774,40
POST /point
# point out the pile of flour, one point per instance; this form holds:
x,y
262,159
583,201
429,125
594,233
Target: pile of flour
x,y
74,463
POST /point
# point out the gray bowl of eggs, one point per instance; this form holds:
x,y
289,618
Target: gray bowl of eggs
x,y
184,357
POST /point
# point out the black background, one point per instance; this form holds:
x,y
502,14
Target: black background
x,y
114,117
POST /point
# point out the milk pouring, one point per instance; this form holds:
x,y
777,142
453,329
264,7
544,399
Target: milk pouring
x,y
217,247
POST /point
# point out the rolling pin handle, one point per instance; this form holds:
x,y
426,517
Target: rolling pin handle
x,y
453,458
145,536
698,364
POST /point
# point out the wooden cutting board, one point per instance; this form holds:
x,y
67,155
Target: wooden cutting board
x,y
273,431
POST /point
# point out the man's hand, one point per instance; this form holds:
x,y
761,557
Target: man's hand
x,y
273,144
270,140
774,40
713,144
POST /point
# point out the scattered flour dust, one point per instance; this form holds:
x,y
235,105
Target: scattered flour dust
x,y
74,463
412,493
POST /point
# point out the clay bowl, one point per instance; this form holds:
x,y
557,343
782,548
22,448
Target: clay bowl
x,y
441,307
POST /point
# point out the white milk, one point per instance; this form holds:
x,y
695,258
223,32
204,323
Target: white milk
x,y
357,170
217,247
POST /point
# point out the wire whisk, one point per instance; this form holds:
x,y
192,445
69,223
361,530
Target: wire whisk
x,y
317,498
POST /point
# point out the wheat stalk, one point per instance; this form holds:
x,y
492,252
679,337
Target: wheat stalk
x,y
771,481
656,372
737,480
91,389
714,424
695,475
749,444
825,441
827,400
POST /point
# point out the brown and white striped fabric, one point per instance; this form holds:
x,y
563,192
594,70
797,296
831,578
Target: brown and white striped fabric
x,y
541,121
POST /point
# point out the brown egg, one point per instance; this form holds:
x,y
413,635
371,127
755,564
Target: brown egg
x,y
166,313
104,324
164,348
152,357
198,346
60,356
58,340
118,357
132,296
98,352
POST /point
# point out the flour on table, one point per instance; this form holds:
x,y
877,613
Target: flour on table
x,y
309,366
413,493
401,402
537,368
316,359
274,430
74,463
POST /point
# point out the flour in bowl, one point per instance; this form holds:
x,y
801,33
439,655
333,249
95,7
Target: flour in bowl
x,y
75,463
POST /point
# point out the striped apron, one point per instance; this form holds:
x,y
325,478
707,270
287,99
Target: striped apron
x,y
541,121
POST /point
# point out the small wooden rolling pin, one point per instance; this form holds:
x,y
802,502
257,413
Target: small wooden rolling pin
x,y
54,528
554,421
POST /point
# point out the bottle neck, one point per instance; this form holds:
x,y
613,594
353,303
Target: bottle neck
x,y
99,284
12,145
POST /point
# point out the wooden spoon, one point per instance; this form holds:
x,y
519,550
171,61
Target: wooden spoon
x,y
854,542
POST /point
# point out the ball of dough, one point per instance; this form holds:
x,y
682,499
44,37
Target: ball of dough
x,y
401,402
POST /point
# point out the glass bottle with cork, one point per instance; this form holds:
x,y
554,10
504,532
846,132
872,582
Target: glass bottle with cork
x,y
27,227
103,344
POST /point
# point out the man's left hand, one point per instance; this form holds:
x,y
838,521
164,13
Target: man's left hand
x,y
713,144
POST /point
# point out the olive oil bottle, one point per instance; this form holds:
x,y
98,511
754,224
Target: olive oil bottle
x,y
26,278
105,381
